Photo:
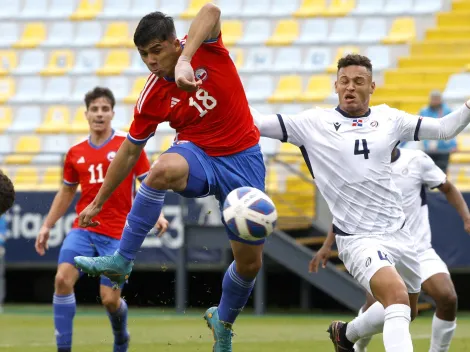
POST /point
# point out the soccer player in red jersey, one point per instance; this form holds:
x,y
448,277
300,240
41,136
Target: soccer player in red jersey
x,y
86,164
195,86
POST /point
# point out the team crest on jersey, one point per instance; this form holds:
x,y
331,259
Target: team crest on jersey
x,y
201,74
357,123
111,156
374,124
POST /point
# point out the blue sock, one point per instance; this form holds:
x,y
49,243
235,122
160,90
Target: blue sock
x,y
118,321
144,214
64,311
235,293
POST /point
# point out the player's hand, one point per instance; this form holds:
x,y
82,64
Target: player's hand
x,y
161,225
41,244
322,256
184,75
85,219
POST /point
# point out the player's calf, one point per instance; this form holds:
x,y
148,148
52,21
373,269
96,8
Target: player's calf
x,y
116,308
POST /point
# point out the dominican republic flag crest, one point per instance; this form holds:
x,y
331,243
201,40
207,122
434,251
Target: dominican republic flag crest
x,y
357,123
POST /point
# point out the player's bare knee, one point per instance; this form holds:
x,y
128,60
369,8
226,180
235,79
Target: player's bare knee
x,y
110,300
166,174
446,302
249,269
394,294
63,283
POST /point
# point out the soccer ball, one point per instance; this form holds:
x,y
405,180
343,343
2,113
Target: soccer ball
x,y
249,213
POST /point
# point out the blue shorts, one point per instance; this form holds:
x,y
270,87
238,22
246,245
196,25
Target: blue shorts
x,y
219,175
89,244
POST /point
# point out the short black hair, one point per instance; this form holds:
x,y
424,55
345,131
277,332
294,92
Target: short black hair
x,y
7,193
355,60
99,92
154,26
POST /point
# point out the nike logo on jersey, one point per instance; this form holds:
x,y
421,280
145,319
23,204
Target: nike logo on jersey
x,y
81,160
337,125
174,101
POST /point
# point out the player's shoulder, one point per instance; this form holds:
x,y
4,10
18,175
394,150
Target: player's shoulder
x,y
383,110
79,145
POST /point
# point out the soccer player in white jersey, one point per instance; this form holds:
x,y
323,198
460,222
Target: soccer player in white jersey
x,y
348,149
412,172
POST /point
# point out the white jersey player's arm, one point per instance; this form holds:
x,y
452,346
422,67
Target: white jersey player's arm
x,y
268,125
446,127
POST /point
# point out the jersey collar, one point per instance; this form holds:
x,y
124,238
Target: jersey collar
x,y
397,156
94,146
345,114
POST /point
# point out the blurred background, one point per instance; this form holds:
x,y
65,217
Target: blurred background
x,y
53,51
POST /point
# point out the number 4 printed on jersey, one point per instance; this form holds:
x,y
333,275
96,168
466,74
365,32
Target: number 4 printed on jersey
x,y
364,150
206,100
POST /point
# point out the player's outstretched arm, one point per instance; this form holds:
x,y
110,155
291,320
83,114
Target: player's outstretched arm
x,y
446,127
268,125
455,198
205,26
122,164
323,253
61,203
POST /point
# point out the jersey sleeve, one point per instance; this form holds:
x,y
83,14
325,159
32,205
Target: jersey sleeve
x,y
407,125
141,168
431,174
215,45
295,128
145,121
70,175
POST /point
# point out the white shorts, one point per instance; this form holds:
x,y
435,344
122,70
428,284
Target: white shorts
x,y
364,255
431,264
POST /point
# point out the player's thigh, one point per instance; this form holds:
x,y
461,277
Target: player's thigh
x,y
104,246
195,179
169,171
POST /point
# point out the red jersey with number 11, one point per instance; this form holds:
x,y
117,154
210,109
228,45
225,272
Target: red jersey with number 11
x,y
216,118
86,164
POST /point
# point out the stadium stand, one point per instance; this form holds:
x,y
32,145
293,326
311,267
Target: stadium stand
x,y
53,51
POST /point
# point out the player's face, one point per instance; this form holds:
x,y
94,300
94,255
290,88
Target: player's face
x,y
99,115
160,57
354,86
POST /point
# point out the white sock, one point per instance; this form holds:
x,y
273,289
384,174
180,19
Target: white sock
x,y
397,337
362,343
442,333
367,324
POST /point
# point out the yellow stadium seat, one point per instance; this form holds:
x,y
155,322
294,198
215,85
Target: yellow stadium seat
x,y
87,10
319,87
7,89
5,118
139,84
8,61
34,33
463,142
116,35
25,149
459,158
52,178
232,31
311,8
452,19
461,6
79,123
288,89
286,32
272,179
26,178
403,31
116,62
238,57
193,8
57,120
60,62
339,8
289,154
341,52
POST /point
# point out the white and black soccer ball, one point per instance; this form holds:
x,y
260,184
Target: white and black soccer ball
x,y
249,213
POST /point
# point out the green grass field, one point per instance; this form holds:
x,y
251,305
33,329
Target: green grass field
x,y
31,329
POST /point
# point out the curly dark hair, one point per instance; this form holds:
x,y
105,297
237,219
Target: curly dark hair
x,y
7,193
355,60
99,92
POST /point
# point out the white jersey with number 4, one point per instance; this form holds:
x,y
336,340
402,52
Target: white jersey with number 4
x,y
350,158
413,171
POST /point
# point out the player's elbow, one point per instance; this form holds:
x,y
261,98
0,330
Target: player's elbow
x,y
212,10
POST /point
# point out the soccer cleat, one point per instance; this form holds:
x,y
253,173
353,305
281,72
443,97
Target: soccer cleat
x,y
115,267
221,331
337,331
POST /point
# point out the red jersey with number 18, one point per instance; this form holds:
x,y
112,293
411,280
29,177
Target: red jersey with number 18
x,y
216,118
86,164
